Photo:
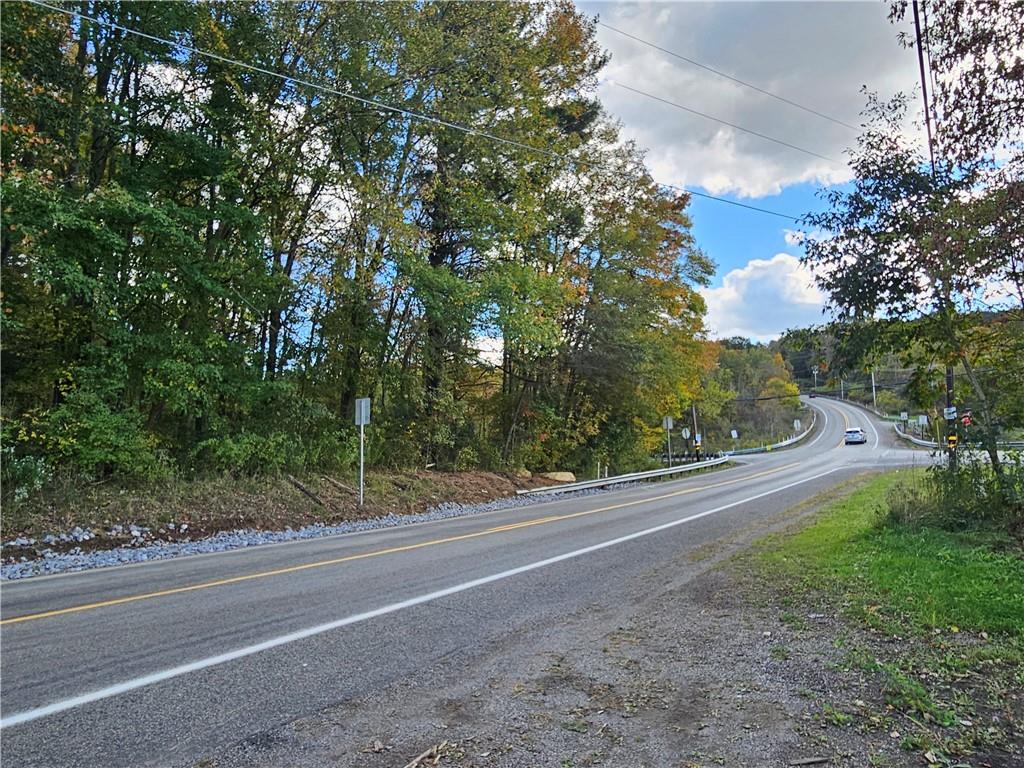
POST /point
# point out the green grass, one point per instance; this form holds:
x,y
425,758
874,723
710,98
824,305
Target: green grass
x,y
897,578
950,657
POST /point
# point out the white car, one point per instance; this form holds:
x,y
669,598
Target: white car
x,y
855,435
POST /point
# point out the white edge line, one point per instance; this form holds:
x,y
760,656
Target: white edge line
x,y
239,653
875,430
824,426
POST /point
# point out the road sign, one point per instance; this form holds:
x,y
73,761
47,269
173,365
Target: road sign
x,y
667,422
686,433
362,411
903,415
735,435
922,419
696,439
796,425
951,441
362,419
949,413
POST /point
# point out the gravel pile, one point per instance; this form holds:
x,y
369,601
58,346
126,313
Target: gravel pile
x,y
77,560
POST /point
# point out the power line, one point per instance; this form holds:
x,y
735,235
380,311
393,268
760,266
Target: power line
x,y
729,77
383,106
730,202
692,111
299,81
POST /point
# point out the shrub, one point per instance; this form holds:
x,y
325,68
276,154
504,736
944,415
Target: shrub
x,y
22,476
972,497
87,435
890,402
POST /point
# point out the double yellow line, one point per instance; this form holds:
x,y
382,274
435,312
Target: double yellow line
x,y
375,553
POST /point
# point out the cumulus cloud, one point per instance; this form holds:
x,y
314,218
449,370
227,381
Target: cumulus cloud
x,y
793,236
763,299
490,349
818,54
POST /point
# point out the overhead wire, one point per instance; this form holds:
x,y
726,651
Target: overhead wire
x,y
752,132
727,76
411,114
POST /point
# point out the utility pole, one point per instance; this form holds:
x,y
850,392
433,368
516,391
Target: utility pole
x,y
842,390
950,423
874,398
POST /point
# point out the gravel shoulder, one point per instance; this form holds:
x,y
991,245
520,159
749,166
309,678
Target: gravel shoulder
x,y
111,544
695,664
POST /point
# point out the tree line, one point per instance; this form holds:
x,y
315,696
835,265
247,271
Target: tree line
x,y
216,238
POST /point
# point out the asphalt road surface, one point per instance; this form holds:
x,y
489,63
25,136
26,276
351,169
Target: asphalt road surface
x,y
164,663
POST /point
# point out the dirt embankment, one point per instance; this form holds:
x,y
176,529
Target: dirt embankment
x,y
102,517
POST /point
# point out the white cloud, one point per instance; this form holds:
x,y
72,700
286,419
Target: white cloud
x,y
817,54
797,237
793,236
490,349
763,299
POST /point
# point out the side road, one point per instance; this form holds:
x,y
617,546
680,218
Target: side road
x,y
705,668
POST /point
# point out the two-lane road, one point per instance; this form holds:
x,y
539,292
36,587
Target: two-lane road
x,y
165,662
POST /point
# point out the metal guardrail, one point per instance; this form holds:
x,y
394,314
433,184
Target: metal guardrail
x,y
914,440
775,446
633,476
1010,444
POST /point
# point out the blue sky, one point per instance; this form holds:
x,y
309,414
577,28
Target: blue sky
x,y
733,236
819,55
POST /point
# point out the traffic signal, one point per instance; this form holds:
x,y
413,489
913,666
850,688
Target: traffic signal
x,y
951,442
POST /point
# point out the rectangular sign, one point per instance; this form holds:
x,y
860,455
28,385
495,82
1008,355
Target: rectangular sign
x,y
903,415
922,419
696,439
735,434
362,411
949,413
667,422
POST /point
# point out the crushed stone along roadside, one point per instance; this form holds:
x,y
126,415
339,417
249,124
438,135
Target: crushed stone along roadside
x,y
691,665
53,562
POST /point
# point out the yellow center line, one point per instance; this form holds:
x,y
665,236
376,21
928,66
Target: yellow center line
x,y
375,553
846,426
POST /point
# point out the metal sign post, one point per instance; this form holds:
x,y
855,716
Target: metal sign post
x,y
668,423
362,419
